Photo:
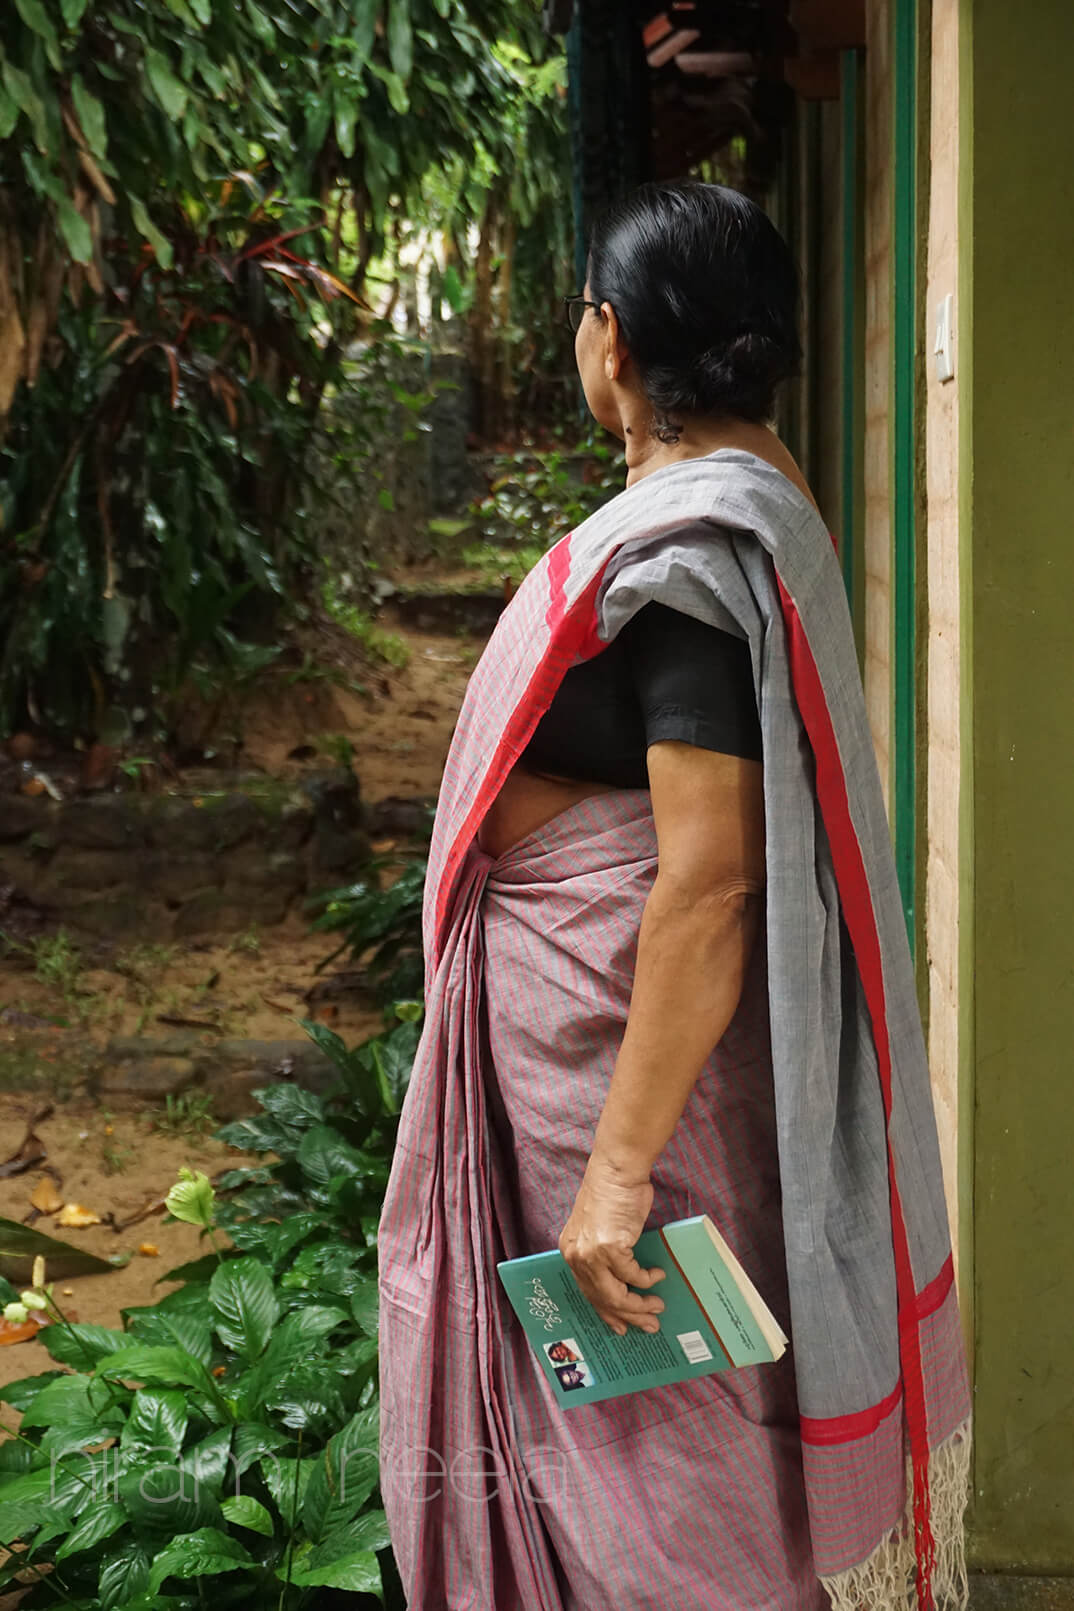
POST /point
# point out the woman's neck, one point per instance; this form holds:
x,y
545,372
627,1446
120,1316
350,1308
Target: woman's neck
x,y
645,453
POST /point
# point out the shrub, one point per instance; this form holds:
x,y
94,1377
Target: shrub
x,y
229,1431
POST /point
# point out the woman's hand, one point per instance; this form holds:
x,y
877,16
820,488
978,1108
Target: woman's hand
x,y
598,1240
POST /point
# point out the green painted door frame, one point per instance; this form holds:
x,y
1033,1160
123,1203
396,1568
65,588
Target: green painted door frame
x,y
852,357
903,478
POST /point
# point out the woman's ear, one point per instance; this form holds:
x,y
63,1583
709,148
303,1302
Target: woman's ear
x,y
614,348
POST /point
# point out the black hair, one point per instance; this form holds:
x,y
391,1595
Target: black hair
x,y
706,293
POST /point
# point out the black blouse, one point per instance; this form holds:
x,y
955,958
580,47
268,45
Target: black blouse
x,y
665,676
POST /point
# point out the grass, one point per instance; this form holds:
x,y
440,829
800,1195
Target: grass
x,y
377,643
188,1115
493,563
57,962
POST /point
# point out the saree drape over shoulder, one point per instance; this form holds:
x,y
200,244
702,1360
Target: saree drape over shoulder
x,y
839,1473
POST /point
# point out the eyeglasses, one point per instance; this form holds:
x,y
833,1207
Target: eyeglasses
x,y
576,306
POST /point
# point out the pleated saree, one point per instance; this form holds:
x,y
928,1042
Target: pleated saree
x,y
840,1472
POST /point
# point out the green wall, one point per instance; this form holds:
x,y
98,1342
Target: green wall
x,y
1017,223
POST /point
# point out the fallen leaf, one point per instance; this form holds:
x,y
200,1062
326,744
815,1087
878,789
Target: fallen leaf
x,y
149,1250
10,1333
75,1218
277,1006
30,1151
45,1198
68,1292
154,1206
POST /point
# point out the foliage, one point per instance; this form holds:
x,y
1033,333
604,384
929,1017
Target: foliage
x,y
359,625
231,1429
191,197
537,497
380,926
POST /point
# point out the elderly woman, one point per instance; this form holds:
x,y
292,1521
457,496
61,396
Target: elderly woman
x,y
668,974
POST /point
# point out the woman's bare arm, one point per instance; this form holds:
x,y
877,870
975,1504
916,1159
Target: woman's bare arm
x,y
697,932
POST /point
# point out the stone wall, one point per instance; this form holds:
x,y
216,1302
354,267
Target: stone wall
x,y
156,868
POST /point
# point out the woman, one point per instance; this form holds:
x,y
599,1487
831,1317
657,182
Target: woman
x,y
668,974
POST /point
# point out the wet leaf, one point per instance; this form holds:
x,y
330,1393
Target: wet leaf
x,y
73,1216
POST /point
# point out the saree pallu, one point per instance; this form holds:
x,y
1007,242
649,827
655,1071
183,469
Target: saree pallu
x,y
811,1137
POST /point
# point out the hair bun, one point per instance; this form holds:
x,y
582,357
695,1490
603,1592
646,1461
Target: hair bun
x,y
706,291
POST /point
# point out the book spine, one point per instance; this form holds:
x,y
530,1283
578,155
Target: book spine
x,y
669,1250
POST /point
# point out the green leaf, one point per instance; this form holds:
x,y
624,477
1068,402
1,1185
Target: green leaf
x,y
172,1367
149,231
359,1572
82,1347
170,93
345,109
308,1399
21,1394
246,1306
204,1553
123,1576
400,38
80,1399
163,1499
71,1435
158,1420
192,1198
345,1476
253,1439
22,1503
242,1510
291,1105
91,117
162,1328
77,235
36,17
99,1520
365,1308
203,10
9,114
19,1244
206,1463
367,1532
72,11
324,1153
279,1473
198,1271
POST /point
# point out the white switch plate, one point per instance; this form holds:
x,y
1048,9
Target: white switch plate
x,y
945,328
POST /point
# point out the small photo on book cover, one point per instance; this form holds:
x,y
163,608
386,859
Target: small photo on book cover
x,y
572,1377
565,1351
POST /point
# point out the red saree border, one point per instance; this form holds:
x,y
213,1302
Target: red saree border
x,y
860,919
825,1431
572,630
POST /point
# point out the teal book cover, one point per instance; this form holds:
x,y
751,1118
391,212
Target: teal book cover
x,y
713,1318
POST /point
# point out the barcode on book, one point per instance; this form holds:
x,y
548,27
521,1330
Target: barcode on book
x,y
694,1347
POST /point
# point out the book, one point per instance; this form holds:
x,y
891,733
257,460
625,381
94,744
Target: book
x,y
713,1317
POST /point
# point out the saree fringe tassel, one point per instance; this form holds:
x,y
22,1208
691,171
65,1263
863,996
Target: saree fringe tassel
x,y
887,1579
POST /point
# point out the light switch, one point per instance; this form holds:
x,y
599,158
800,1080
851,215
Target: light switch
x,y
945,362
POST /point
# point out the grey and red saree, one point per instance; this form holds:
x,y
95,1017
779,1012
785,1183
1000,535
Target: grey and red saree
x,y
841,1472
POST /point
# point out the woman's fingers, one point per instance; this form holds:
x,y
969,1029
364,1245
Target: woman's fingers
x,y
626,1267
604,1281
